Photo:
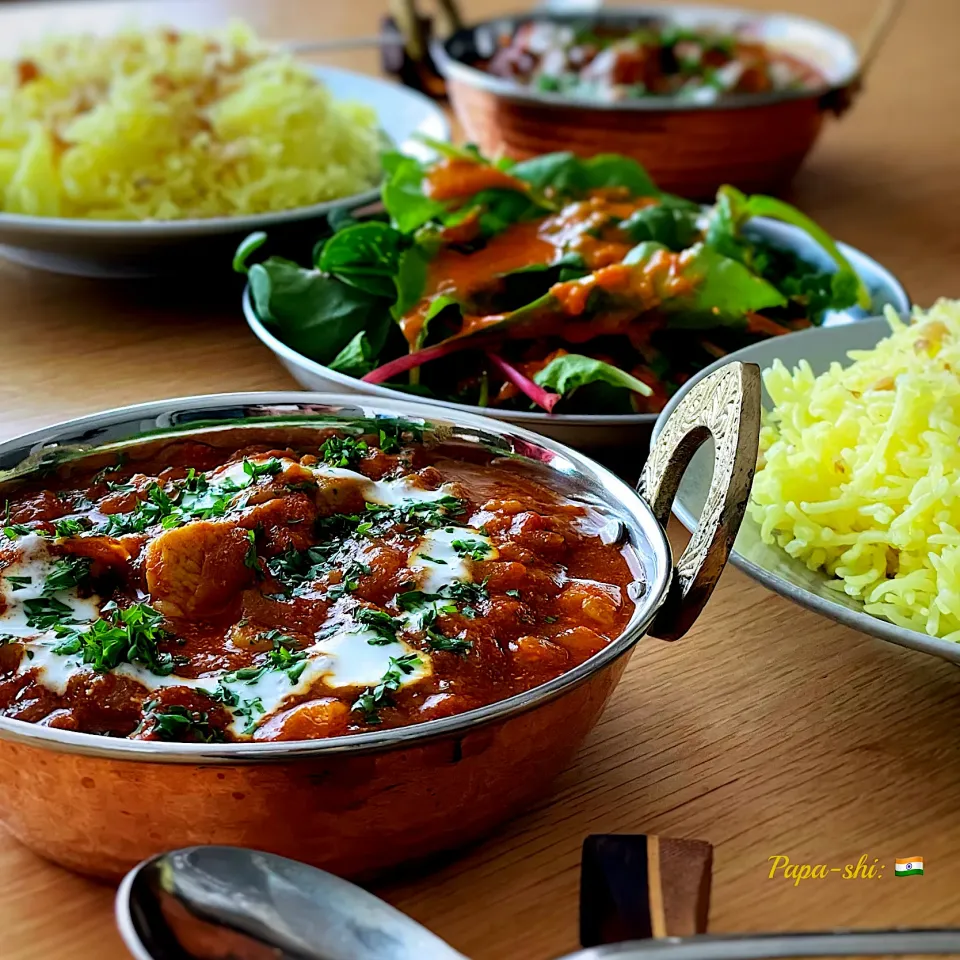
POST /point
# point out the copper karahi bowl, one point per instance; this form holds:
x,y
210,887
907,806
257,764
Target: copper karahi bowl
x,y
756,141
99,805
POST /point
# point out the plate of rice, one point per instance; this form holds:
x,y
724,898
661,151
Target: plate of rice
x,y
855,507
145,150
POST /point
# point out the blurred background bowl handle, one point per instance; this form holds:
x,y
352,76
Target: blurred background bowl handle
x,y
724,407
839,99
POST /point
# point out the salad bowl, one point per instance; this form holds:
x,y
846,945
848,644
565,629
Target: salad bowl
x,y
589,432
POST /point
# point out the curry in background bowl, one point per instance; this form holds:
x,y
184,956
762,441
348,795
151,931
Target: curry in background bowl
x,y
392,627
700,95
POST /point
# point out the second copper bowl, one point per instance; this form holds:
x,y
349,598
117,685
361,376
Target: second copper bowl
x,y
755,141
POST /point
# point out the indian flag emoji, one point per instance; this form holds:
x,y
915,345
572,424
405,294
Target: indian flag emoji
x,y
910,867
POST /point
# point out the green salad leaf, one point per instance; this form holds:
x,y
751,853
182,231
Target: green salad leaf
x,y
733,209
724,292
566,173
365,255
316,314
409,207
409,279
672,222
356,359
567,374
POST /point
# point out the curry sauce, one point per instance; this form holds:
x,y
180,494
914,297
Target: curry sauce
x,y
288,591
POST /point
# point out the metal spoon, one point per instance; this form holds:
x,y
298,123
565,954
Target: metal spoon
x,y
229,903
214,903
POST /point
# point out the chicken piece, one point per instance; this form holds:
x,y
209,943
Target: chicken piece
x,y
285,522
197,569
312,720
339,495
105,552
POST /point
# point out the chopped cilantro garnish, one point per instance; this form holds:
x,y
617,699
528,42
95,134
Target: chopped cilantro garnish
x,y
380,623
427,607
474,549
251,560
372,699
417,514
429,559
18,582
200,500
47,613
350,579
13,530
389,439
285,654
441,642
244,675
67,572
512,593
127,635
156,508
176,723
251,711
342,451
102,475
71,527
267,468
550,619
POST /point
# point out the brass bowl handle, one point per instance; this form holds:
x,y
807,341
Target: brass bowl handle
x,y
726,407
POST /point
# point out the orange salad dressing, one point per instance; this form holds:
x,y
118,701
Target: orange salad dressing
x,y
572,229
453,178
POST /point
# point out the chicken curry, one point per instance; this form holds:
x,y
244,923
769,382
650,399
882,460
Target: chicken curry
x,y
293,590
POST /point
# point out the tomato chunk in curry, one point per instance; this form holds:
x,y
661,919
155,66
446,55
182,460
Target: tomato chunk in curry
x,y
291,591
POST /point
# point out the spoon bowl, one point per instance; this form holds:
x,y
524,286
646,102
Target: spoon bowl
x,y
214,903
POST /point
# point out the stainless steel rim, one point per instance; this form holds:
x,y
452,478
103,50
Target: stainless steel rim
x,y
781,945
169,417
453,68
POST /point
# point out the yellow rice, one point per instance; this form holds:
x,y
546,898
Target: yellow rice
x,y
164,125
861,471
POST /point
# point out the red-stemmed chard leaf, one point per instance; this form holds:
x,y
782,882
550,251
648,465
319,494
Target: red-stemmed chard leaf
x,y
419,357
542,398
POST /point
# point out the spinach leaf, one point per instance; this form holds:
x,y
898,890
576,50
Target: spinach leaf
x,y
437,305
816,290
356,359
365,255
409,279
469,151
724,291
570,175
402,194
316,314
499,208
672,222
733,209
568,373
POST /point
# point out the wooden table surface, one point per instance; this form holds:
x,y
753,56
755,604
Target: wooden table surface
x,y
766,731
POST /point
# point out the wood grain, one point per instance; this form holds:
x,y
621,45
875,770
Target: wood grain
x,y
766,730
